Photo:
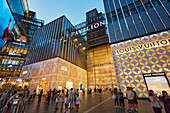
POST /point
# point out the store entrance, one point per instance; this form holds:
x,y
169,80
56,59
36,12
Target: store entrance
x,y
43,85
80,86
69,85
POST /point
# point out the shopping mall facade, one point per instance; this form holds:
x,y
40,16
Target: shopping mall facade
x,y
71,56
136,52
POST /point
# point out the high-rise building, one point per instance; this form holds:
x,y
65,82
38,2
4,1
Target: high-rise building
x,y
92,35
133,18
14,51
139,36
54,60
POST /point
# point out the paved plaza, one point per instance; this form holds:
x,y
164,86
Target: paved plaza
x,y
89,104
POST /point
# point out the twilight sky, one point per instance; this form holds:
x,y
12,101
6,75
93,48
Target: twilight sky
x,y
74,10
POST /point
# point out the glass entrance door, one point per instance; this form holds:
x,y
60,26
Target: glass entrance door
x,y
43,85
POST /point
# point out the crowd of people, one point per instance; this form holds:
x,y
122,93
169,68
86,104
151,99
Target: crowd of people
x,y
132,98
67,97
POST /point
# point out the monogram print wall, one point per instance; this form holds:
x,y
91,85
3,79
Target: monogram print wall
x,y
133,58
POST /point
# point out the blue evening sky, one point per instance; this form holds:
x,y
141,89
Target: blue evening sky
x,y
74,10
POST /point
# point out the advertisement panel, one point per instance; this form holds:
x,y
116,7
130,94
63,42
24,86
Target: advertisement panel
x,y
5,16
157,82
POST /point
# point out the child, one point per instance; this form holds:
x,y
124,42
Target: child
x,y
77,102
66,104
57,100
62,99
30,97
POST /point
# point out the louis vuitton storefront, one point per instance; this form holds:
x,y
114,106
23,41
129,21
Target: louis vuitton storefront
x,y
143,63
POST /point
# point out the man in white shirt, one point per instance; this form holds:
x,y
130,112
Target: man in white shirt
x,y
130,96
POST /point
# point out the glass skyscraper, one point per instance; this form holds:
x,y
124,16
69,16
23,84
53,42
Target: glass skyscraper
x,y
100,67
92,36
133,18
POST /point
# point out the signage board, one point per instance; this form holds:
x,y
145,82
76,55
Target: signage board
x,y
157,82
140,47
88,28
154,74
63,68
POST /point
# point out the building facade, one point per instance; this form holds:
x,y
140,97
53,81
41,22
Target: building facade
x,y
133,18
139,37
54,60
135,58
54,73
54,40
92,35
13,53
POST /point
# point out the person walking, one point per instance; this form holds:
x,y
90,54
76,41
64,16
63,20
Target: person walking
x,y
130,96
166,100
155,102
77,103
57,96
66,104
121,99
100,93
75,95
70,93
115,93
135,100
62,99
34,92
53,93
49,96
40,95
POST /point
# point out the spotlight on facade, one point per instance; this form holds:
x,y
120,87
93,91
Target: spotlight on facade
x,y
84,48
80,44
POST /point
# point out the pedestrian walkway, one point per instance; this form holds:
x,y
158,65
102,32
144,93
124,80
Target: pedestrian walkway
x,y
89,104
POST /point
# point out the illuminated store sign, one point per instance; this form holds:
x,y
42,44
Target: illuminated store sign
x,y
19,80
63,68
88,28
27,21
149,45
154,74
13,62
43,78
24,72
18,43
15,54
